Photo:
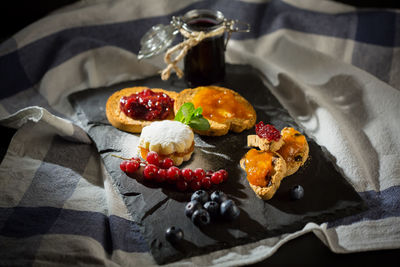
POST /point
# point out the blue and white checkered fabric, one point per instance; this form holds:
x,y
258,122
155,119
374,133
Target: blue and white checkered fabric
x,y
335,68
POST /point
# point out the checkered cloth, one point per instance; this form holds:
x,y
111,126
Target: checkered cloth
x,y
335,68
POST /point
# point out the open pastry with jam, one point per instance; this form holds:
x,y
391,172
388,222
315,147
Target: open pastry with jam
x,y
225,109
133,108
281,154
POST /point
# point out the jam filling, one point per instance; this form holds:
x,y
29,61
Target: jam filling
x,y
220,105
259,167
144,152
267,131
147,105
294,144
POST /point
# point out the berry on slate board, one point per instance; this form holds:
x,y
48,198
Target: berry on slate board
x,y
153,158
200,195
173,174
217,178
199,173
191,207
206,183
187,174
229,210
132,166
218,196
297,192
150,171
174,234
212,208
167,163
201,217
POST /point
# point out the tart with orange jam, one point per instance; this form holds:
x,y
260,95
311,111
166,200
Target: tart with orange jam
x,y
295,149
224,108
265,170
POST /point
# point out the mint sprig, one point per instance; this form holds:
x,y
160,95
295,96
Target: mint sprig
x,y
192,117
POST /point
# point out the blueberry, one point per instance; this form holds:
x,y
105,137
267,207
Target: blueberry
x,y
201,217
297,192
218,196
174,234
212,208
200,195
229,210
191,207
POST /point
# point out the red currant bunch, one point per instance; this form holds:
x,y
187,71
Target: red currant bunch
x,y
163,170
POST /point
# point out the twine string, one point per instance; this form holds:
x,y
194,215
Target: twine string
x,y
192,39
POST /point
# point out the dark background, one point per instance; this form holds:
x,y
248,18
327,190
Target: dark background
x,y
304,250
15,15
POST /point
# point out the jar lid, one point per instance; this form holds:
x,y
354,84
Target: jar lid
x,y
157,40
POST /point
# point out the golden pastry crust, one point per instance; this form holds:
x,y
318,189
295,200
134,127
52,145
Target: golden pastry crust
x,y
219,128
295,158
263,143
279,171
117,117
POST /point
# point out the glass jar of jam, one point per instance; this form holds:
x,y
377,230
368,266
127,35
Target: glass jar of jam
x,y
204,64
204,58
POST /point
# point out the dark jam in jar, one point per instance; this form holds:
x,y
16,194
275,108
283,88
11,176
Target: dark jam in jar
x,y
147,105
204,63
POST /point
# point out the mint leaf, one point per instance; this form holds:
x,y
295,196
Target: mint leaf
x,y
179,116
197,112
188,115
201,124
187,111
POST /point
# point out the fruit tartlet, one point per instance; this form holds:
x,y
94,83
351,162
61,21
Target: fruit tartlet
x,y
225,109
265,170
295,149
170,139
133,108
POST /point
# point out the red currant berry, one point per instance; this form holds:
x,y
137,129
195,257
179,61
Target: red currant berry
x,y
173,174
182,185
195,185
161,175
224,174
150,171
167,163
132,166
206,183
136,159
153,158
122,165
216,178
209,173
187,174
199,173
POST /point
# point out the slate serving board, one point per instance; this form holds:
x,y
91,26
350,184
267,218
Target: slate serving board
x,y
328,196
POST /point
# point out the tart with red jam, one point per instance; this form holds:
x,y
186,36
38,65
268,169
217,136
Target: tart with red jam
x,y
133,108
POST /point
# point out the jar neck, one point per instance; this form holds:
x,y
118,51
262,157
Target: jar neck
x,y
202,20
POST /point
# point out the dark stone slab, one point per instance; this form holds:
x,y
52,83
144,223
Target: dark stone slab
x,y
328,196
